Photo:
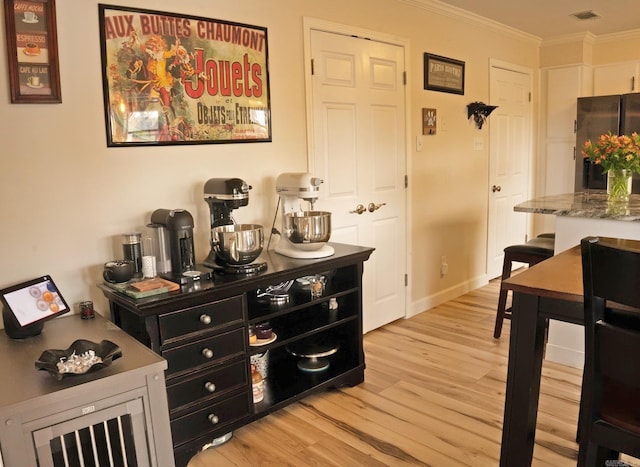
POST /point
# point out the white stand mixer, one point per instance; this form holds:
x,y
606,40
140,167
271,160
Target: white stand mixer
x,y
305,233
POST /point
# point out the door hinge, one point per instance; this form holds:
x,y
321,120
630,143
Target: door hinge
x,y
406,181
575,126
406,280
312,67
574,153
529,96
404,78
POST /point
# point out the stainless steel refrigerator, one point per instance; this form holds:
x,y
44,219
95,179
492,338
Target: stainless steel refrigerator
x,y
619,114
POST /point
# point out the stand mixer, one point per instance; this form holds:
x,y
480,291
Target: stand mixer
x,y
234,247
305,233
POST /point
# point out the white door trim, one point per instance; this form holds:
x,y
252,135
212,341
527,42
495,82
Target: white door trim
x,y
495,63
327,26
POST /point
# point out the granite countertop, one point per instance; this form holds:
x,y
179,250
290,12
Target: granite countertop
x,y
591,204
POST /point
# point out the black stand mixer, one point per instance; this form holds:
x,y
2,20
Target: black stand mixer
x,y
179,224
234,247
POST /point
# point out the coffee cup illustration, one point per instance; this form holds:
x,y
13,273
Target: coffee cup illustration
x,y
31,48
30,17
33,81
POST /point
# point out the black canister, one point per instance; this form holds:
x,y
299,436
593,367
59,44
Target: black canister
x,y
132,250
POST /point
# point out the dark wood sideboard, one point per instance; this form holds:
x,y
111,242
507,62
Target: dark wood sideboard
x,y
202,332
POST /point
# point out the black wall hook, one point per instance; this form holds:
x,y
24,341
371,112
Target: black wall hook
x,y
480,111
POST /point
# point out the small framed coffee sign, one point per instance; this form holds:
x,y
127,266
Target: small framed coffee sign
x,y
32,50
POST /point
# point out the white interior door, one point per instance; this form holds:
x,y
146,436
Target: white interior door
x,y
358,147
509,162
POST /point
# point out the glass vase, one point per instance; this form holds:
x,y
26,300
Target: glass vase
x,y
619,185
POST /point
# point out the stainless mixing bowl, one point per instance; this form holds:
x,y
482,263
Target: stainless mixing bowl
x,y
308,230
238,243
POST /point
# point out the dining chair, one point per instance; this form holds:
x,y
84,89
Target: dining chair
x,y
531,253
610,404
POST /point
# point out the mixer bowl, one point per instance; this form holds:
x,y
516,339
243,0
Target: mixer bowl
x,y
238,243
307,230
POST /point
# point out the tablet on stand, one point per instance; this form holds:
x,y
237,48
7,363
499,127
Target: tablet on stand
x,y
26,306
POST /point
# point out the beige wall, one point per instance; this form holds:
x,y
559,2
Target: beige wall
x,y
65,197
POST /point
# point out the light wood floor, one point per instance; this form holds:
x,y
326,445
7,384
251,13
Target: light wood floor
x,y
433,395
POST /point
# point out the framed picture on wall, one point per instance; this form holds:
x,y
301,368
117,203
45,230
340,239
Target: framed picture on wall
x,y
32,50
177,79
443,74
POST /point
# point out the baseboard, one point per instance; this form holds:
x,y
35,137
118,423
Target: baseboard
x,y
564,355
443,296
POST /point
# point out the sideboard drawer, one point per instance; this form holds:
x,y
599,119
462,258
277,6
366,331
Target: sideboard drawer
x,y
211,418
207,384
205,351
200,318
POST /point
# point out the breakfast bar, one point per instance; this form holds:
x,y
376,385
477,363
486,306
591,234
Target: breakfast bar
x,y
579,215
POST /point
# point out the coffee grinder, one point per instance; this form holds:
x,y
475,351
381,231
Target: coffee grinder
x,y
223,195
179,225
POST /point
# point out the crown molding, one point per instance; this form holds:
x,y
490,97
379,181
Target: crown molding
x,y
592,39
437,7
634,34
585,37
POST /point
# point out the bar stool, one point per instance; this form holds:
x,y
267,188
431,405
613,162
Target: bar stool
x,y
532,252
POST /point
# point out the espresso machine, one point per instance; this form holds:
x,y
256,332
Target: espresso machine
x,y
305,232
179,225
234,247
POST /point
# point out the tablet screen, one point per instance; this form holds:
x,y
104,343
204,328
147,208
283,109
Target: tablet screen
x,y
34,300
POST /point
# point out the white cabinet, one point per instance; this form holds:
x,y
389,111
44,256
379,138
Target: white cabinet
x,y
617,78
560,89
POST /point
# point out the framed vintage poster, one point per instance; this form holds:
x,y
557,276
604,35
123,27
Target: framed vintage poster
x,y
32,50
443,74
176,79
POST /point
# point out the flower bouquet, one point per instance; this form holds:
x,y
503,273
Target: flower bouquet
x,y
619,157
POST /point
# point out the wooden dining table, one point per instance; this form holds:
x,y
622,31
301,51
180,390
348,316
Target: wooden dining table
x,y
551,289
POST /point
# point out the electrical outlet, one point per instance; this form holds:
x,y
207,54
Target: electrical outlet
x,y
444,266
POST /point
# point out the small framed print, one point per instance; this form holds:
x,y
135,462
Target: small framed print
x,y
443,74
32,49
429,120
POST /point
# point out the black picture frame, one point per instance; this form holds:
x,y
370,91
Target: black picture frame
x,y
443,74
176,79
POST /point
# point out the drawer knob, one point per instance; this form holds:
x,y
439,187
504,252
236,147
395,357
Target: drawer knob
x,y
207,353
205,319
209,386
213,419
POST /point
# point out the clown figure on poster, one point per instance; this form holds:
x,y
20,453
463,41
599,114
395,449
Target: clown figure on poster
x,y
157,66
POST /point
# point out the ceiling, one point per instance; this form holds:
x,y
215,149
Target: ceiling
x,y
552,18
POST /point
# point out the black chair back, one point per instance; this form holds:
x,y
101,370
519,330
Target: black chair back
x,y
610,406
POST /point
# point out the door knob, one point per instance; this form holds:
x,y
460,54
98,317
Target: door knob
x,y
375,207
359,209
495,188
